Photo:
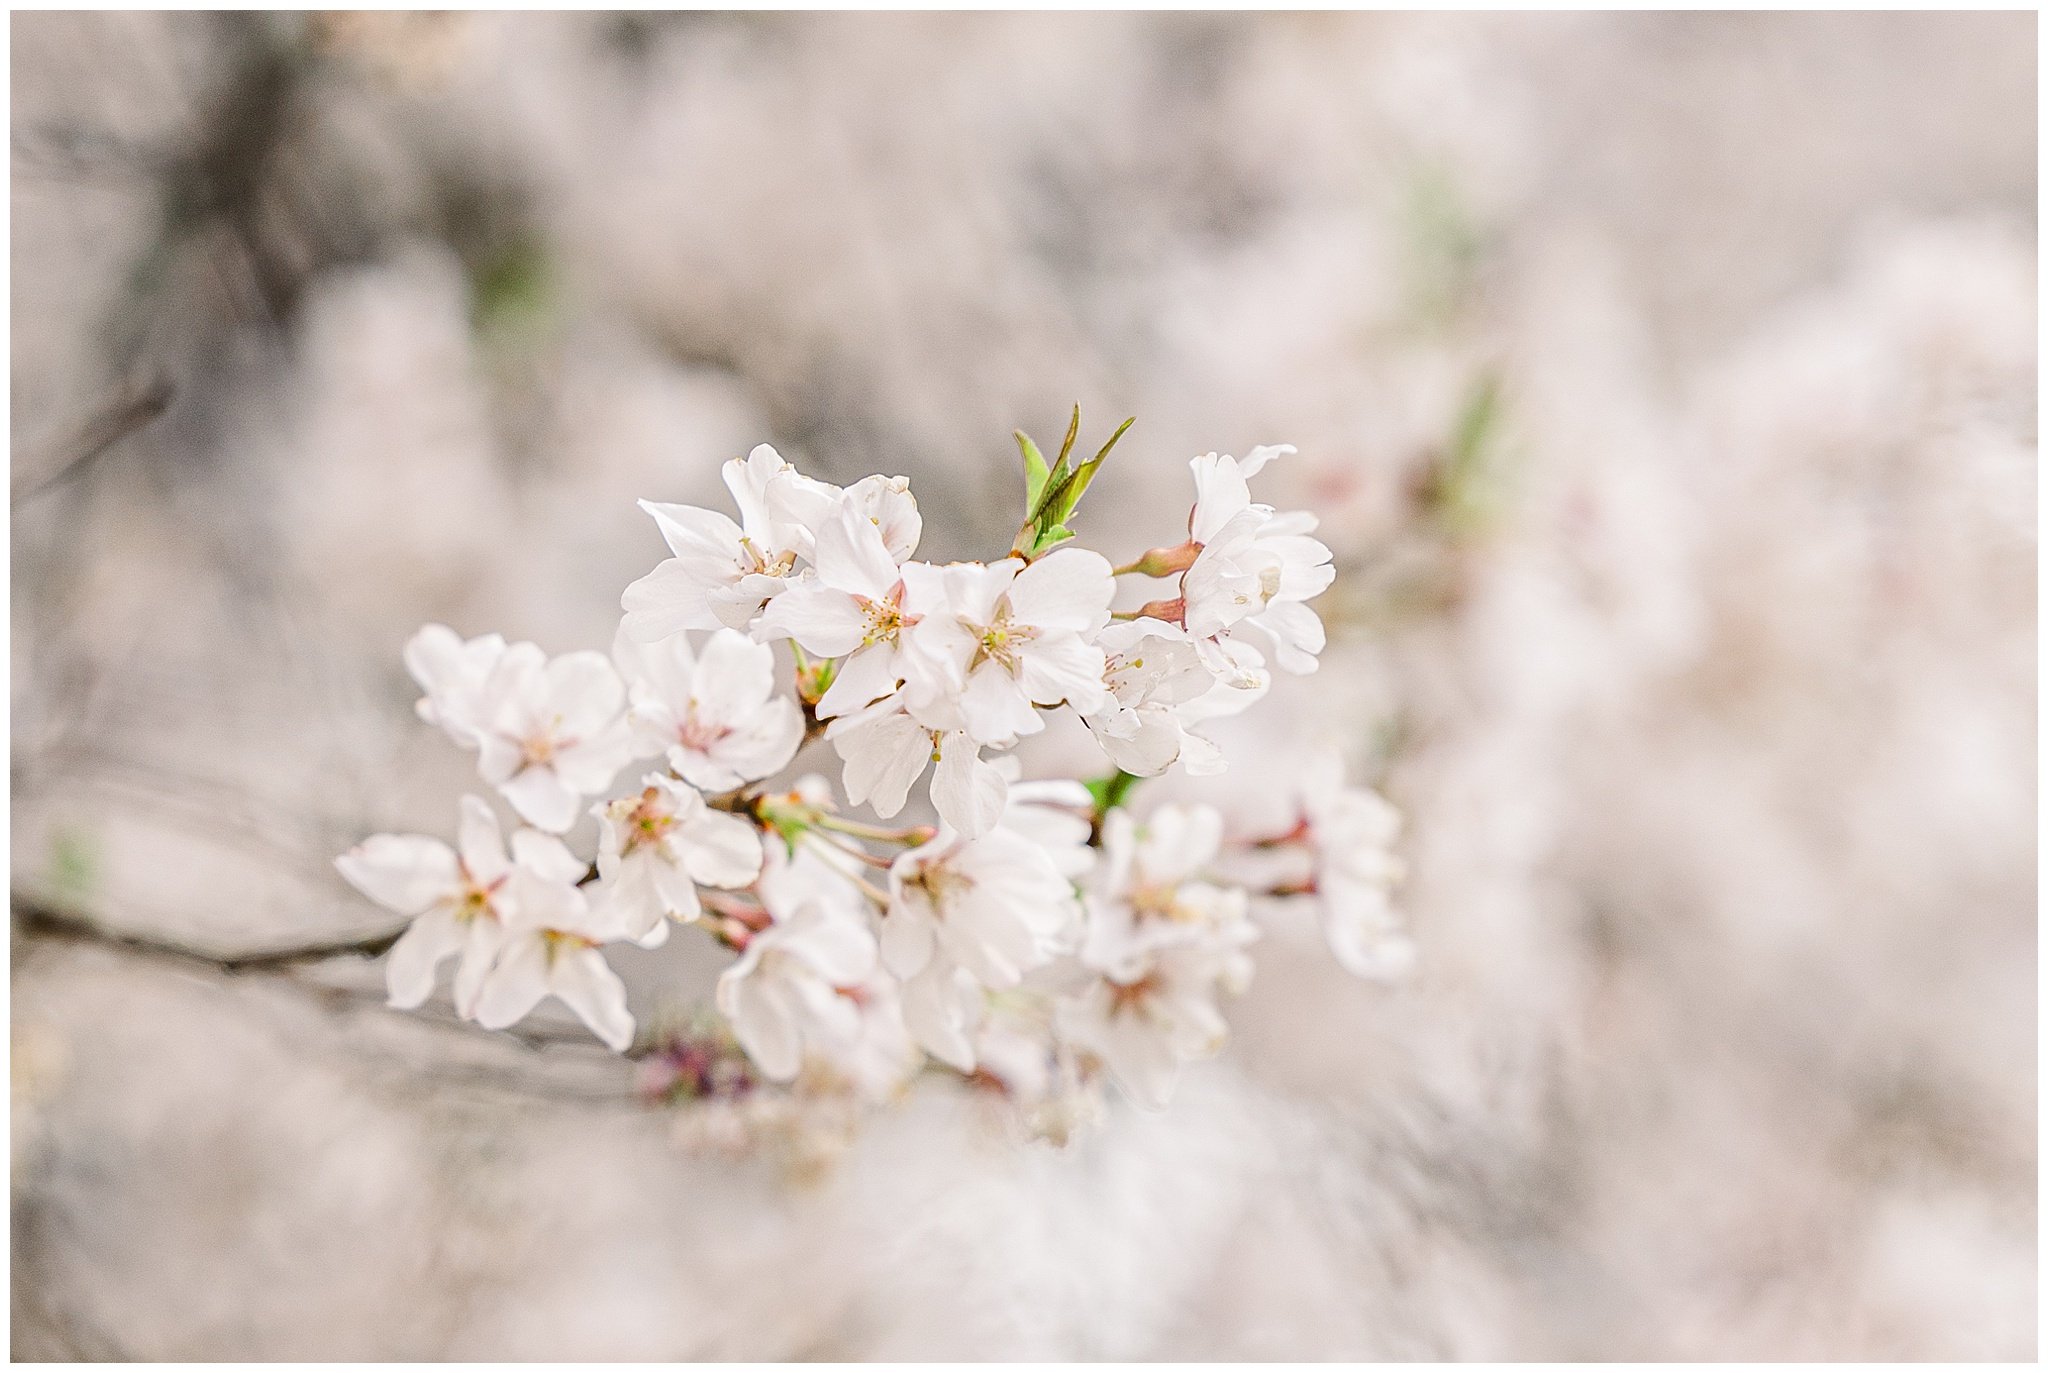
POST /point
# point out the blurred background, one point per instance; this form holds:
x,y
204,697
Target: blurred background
x,y
1666,386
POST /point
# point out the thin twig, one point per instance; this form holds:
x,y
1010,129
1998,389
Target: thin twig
x,y
114,421
37,919
40,919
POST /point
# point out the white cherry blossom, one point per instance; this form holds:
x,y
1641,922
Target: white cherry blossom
x,y
886,749
721,572
1055,814
886,503
1256,567
788,991
657,847
715,714
550,732
1031,940
1151,1013
1152,885
860,607
996,906
457,898
1351,832
453,671
1153,673
1021,636
550,948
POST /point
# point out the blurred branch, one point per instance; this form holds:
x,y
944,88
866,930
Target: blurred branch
x,y
126,412
40,920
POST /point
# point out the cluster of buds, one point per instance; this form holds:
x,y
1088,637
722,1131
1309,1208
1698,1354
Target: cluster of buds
x,y
1041,934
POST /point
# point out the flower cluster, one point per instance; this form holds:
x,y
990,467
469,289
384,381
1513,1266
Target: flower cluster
x,y
1038,935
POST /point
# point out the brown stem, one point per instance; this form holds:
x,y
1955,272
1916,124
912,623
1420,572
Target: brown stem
x,y
39,919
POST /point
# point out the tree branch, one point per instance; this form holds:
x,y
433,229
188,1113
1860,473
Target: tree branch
x,y
42,920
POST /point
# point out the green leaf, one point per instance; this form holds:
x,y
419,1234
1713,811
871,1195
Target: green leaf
x,y
1070,495
1053,492
1073,432
1058,534
1109,792
1035,471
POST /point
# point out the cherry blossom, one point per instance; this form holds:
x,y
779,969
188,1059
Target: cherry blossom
x,y
886,749
452,672
1155,1009
721,572
1255,567
1043,939
1153,674
457,899
550,947
1020,635
550,732
786,989
1351,831
657,847
995,906
715,715
859,608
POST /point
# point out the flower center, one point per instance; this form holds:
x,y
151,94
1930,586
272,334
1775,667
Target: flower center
x,y
941,884
754,563
1161,901
644,823
1000,641
558,942
885,617
1269,584
1130,997
699,735
474,901
539,750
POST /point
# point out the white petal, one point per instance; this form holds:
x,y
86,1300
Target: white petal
x,y
824,619
762,1023
968,792
720,850
883,756
402,872
1069,588
1062,666
734,676
852,557
867,676
547,857
670,599
583,692
1220,494
995,707
1253,462
479,841
936,1011
588,766
1142,1061
410,966
1144,743
906,941
541,799
586,984
887,502
514,986
1297,635
662,669
691,530
837,945
482,942
763,745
